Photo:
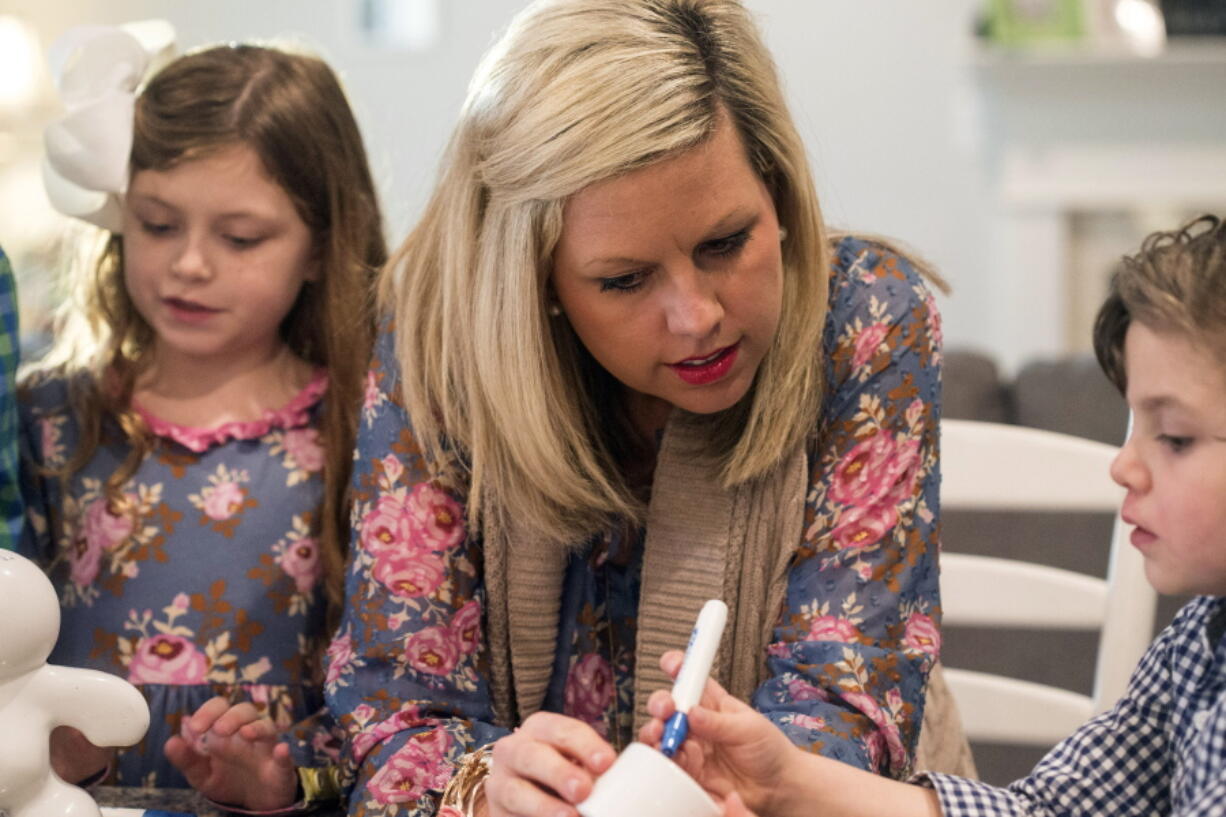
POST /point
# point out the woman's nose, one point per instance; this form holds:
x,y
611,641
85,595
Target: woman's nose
x,y
694,307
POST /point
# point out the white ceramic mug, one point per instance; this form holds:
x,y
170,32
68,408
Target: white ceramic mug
x,y
644,783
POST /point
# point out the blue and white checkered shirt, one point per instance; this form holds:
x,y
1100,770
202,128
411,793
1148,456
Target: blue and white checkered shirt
x,y
1161,750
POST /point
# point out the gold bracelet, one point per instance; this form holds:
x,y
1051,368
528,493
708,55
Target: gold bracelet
x,y
321,784
465,786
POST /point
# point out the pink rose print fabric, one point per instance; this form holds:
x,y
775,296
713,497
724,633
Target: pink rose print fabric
x,y
300,560
432,651
167,659
420,765
302,444
854,641
589,691
200,578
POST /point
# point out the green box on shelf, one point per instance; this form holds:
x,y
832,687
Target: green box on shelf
x,y
1027,22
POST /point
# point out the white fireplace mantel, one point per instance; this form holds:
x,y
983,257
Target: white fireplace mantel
x,y
1081,134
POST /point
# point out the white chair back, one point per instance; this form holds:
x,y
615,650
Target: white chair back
x,y
994,466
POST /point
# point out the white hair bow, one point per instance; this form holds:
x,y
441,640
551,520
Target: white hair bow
x,y
97,70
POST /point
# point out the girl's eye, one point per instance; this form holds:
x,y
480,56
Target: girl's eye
x,y
155,228
241,242
623,283
1176,444
728,245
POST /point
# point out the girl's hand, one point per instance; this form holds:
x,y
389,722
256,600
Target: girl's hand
x,y
545,767
74,758
233,755
730,748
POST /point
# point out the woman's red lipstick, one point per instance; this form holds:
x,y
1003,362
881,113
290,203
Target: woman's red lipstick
x,y
699,371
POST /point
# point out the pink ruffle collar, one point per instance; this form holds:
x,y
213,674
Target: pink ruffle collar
x,y
294,414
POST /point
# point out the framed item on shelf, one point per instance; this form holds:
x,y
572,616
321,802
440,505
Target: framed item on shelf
x,y
1195,18
1026,22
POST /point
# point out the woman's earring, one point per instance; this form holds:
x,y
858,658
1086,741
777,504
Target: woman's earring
x,y
555,310
783,234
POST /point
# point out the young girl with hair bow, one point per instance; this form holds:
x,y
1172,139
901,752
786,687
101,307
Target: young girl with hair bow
x,y
188,441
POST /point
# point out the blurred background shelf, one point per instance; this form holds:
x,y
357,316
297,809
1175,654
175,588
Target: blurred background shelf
x,y
1192,52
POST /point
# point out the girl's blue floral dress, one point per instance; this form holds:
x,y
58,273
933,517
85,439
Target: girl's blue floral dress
x,y
203,580
406,674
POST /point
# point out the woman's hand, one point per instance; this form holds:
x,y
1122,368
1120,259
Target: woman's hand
x,y
730,748
233,755
545,767
74,758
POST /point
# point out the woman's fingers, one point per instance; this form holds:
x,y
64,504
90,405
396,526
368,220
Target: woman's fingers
x,y
515,796
543,765
573,738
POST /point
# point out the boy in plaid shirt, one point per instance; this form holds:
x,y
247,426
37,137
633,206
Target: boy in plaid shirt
x,y
1161,337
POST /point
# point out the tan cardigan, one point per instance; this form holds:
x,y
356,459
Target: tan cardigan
x,y
703,542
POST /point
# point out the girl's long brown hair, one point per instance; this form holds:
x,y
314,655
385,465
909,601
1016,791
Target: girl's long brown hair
x,y
290,109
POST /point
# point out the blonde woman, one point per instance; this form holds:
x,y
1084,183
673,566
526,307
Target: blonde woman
x,y
625,369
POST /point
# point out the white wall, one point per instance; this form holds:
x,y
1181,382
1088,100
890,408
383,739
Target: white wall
x,y
882,94
883,91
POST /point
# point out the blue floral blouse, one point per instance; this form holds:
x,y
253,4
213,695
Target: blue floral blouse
x,y
205,580
407,676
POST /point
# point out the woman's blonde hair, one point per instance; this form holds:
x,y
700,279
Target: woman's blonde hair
x,y
1176,282
506,402
290,109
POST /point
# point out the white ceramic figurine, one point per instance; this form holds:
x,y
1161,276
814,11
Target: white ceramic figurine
x,y
36,697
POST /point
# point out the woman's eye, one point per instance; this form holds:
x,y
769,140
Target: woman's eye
x,y
1175,443
622,283
728,245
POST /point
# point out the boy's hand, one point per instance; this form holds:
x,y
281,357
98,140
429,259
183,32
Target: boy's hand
x,y
74,758
731,748
734,806
233,755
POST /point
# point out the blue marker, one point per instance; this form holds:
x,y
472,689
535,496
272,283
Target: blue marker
x,y
695,667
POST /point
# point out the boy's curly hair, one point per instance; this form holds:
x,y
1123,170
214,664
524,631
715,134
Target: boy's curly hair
x,y
1176,282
